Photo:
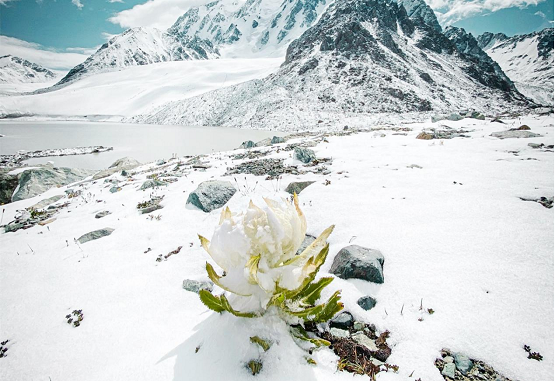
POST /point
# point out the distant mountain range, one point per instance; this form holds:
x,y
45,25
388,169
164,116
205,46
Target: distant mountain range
x,y
527,59
17,70
341,56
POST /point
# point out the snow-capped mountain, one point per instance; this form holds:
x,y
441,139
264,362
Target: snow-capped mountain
x,y
419,11
362,56
526,59
226,28
17,70
241,28
141,46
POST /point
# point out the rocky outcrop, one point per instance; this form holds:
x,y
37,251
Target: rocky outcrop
x,y
94,235
212,194
123,164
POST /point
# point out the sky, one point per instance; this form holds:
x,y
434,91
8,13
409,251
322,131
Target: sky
x,y
59,34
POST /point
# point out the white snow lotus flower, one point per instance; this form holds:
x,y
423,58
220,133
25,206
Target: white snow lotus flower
x,y
257,251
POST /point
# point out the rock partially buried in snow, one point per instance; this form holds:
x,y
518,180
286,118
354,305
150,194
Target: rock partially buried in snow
x,y
211,195
364,340
449,370
360,263
197,285
247,144
123,164
38,180
95,235
337,332
298,187
342,321
515,134
304,155
8,184
463,363
153,184
44,203
277,140
367,303
424,136
102,214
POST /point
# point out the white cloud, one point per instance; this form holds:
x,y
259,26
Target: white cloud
x,y
154,13
37,53
77,3
115,1
451,11
4,2
108,36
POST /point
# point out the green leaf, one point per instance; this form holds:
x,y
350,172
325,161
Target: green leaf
x,y
317,262
311,293
263,343
307,314
228,308
310,360
299,333
214,277
211,301
313,248
331,307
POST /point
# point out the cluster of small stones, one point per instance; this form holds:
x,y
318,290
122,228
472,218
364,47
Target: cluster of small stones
x,y
271,168
4,348
30,217
13,161
151,205
75,318
458,367
444,133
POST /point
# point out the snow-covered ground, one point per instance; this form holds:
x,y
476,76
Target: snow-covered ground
x,y
140,88
455,234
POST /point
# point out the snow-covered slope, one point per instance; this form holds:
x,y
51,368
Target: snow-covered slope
x,y
448,218
137,89
252,26
141,46
362,57
526,59
17,70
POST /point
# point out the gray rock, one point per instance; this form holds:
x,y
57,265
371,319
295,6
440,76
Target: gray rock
x,y
359,262
13,226
212,194
123,164
364,340
337,332
453,117
102,214
8,185
463,363
477,115
449,370
264,142
152,184
535,145
448,359
304,155
197,285
151,208
277,140
366,303
44,203
38,180
247,144
358,326
342,321
308,239
516,134
298,186
95,235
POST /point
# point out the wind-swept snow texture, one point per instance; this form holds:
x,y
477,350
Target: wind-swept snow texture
x,y
137,89
17,70
455,235
527,59
361,58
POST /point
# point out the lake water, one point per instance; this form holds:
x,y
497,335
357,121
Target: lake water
x,y
142,142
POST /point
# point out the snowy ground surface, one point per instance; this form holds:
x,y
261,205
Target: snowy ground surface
x,y
136,89
454,234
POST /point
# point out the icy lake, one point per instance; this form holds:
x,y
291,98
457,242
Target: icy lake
x,y
142,142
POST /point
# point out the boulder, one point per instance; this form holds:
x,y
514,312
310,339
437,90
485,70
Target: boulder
x,y
524,127
247,144
277,140
298,186
38,180
359,263
8,185
516,134
44,203
449,370
342,321
123,164
95,235
197,285
304,155
102,214
424,136
366,303
212,194
463,363
263,143
153,184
